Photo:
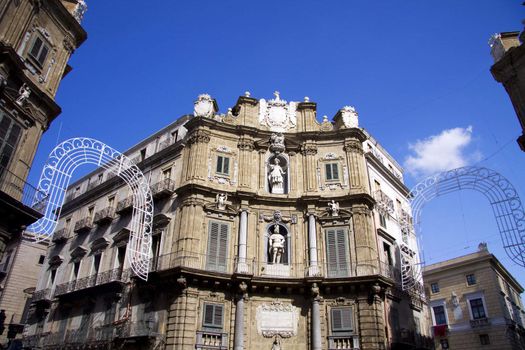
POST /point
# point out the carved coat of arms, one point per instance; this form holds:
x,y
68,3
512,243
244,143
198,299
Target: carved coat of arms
x,y
350,117
277,114
203,107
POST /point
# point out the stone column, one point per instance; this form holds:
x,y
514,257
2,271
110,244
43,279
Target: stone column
x,y
367,257
313,269
198,154
242,266
316,319
239,318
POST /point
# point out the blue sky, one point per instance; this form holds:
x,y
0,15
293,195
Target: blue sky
x,y
413,69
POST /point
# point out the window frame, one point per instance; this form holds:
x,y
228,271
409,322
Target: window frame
x,y
212,325
475,296
329,169
221,171
472,278
36,58
434,290
338,272
344,328
7,141
213,262
438,303
484,339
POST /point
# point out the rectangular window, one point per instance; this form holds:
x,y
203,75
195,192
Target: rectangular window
x,y
41,259
337,253
439,315
342,319
382,220
484,339
332,172
216,259
166,174
223,165
96,264
213,314
142,154
10,133
39,51
52,276
478,311
387,254
471,279
434,287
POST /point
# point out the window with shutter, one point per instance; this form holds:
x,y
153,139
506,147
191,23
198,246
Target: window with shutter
x,y
212,315
9,136
216,259
223,165
337,253
39,51
332,172
342,319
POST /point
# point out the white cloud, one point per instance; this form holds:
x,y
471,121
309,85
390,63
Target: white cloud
x,y
441,152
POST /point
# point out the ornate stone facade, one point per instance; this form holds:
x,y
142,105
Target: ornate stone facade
x,y
268,237
36,40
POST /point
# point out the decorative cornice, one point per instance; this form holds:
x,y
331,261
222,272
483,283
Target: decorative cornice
x,y
353,146
246,144
199,136
309,150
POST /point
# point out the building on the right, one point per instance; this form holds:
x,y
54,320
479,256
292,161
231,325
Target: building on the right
x,y
508,51
474,303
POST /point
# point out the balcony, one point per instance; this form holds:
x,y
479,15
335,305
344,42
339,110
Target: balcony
x,y
84,225
43,295
33,341
21,191
104,216
92,185
480,322
342,342
166,143
440,330
163,188
209,340
385,204
124,205
144,328
103,278
60,235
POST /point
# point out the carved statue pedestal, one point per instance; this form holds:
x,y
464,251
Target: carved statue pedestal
x,y
277,270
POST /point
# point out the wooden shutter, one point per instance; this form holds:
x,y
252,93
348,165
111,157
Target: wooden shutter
x,y
337,253
219,165
335,172
342,319
226,165
212,315
328,168
217,246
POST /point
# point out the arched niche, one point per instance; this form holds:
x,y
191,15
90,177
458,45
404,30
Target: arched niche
x,y
282,266
272,172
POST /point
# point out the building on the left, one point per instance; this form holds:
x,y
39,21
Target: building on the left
x,y
37,39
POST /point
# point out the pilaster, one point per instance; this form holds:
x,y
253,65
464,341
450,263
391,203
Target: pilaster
x,y
365,240
371,320
182,320
309,150
246,147
356,166
198,155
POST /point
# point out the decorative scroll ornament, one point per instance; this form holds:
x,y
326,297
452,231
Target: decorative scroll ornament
x,y
203,107
350,117
277,319
501,195
277,114
55,178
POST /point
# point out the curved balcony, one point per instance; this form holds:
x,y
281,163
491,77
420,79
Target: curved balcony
x,y
104,216
42,296
60,235
84,225
124,205
163,188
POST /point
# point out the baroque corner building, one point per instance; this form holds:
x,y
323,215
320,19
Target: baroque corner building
x,y
271,231
37,39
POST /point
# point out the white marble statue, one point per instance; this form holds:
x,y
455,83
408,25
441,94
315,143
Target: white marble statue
x,y
220,199
23,95
276,244
276,178
276,344
333,208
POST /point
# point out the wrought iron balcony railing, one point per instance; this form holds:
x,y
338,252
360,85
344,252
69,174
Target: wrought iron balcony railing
x,y
124,205
104,216
84,225
115,275
144,328
163,188
42,295
384,203
480,322
20,190
60,235
166,143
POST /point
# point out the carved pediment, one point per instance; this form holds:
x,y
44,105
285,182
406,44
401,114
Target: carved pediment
x,y
212,208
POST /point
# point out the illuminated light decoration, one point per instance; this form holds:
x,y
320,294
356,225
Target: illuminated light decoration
x,y
55,178
502,196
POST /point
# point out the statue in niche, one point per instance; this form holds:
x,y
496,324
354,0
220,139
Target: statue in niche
x,y
220,199
23,94
333,208
276,178
276,244
276,344
458,313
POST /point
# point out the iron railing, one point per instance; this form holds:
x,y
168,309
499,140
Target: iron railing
x,y
115,275
142,328
42,294
163,188
124,205
384,203
19,189
104,216
84,225
480,322
60,235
